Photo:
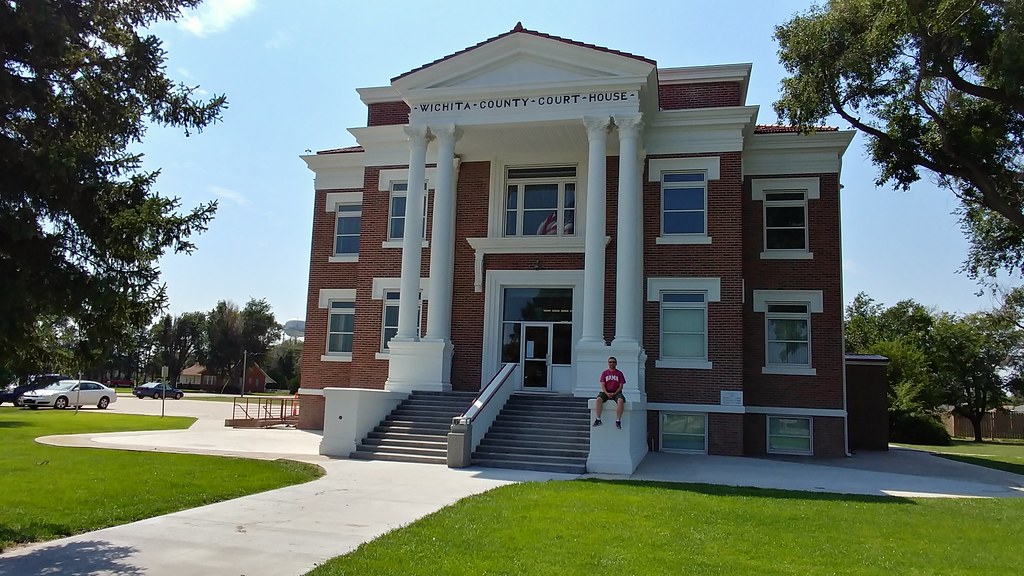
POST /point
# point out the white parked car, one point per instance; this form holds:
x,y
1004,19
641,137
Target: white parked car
x,y
70,393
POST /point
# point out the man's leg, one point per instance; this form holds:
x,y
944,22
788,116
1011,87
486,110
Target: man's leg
x,y
598,406
620,406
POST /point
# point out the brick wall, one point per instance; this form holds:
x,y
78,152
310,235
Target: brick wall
x,y
725,434
703,95
721,259
467,304
823,272
387,113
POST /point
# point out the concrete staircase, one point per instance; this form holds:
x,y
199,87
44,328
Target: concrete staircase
x,y
544,432
417,430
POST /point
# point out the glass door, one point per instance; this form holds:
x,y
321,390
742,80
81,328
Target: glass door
x,y
536,355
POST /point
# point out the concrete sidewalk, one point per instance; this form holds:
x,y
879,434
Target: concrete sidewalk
x,y
290,530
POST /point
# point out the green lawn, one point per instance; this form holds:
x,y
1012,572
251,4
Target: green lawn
x,y
593,527
48,492
1005,455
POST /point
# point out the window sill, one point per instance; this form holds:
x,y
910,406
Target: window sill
x,y
344,258
787,255
695,239
790,370
684,364
382,356
398,244
336,358
791,452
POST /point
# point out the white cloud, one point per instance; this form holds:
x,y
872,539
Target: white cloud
x,y
232,195
185,73
215,16
280,39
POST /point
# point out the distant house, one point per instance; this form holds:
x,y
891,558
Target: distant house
x,y
196,376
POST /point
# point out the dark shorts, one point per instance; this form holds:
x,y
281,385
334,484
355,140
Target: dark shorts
x,y
605,397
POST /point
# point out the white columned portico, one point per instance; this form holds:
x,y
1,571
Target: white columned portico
x,y
412,250
628,234
415,364
437,366
593,278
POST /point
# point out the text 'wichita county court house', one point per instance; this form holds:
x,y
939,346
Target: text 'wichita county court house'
x,y
545,203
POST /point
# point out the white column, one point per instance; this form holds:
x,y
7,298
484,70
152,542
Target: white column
x,y
412,241
442,236
593,261
627,241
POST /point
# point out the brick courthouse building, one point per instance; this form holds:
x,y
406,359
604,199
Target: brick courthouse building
x,y
549,203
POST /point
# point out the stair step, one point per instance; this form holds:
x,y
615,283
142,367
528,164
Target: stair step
x,y
540,429
440,452
533,417
529,452
403,436
540,444
540,467
397,458
531,458
425,430
420,419
437,443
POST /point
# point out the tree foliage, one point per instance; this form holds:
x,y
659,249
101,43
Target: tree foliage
x,y
935,85
81,227
180,342
234,333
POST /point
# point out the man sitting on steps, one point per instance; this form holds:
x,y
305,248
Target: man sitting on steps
x,y
612,381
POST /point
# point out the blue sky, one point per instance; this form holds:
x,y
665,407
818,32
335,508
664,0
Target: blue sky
x,y
290,70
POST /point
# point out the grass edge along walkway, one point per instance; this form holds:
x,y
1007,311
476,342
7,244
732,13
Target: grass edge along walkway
x,y
589,527
49,492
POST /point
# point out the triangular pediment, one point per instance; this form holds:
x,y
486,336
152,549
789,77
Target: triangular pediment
x,y
522,57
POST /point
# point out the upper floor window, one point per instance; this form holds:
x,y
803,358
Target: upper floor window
x,y
540,201
684,326
785,220
787,230
347,228
396,211
684,203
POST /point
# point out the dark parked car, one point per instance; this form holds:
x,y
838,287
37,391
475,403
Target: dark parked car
x,y
12,393
158,390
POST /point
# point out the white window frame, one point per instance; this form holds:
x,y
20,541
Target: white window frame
x,y
560,209
810,435
762,190
345,256
661,433
702,306
711,287
391,298
347,312
325,297
710,166
813,300
400,189
702,184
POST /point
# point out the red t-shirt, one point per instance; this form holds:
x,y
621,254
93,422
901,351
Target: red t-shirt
x,y
613,380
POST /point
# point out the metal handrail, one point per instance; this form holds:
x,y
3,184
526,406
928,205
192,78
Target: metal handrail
x,y
485,395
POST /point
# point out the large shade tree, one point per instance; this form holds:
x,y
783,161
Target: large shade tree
x,y
180,341
81,226
234,336
935,85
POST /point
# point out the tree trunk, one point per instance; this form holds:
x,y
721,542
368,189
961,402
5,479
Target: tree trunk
x,y
976,423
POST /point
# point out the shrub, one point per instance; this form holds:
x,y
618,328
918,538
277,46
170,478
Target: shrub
x,y
917,428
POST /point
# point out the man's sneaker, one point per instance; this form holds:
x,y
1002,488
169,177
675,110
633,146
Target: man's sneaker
x,y
597,422
618,424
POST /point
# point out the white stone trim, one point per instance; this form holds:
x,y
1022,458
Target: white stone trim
x,y
657,285
697,408
787,255
696,239
521,245
784,411
813,298
789,370
496,191
683,364
391,244
382,356
402,175
336,171
499,279
657,166
344,357
343,258
328,294
811,186
336,198
391,284
794,153
310,392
